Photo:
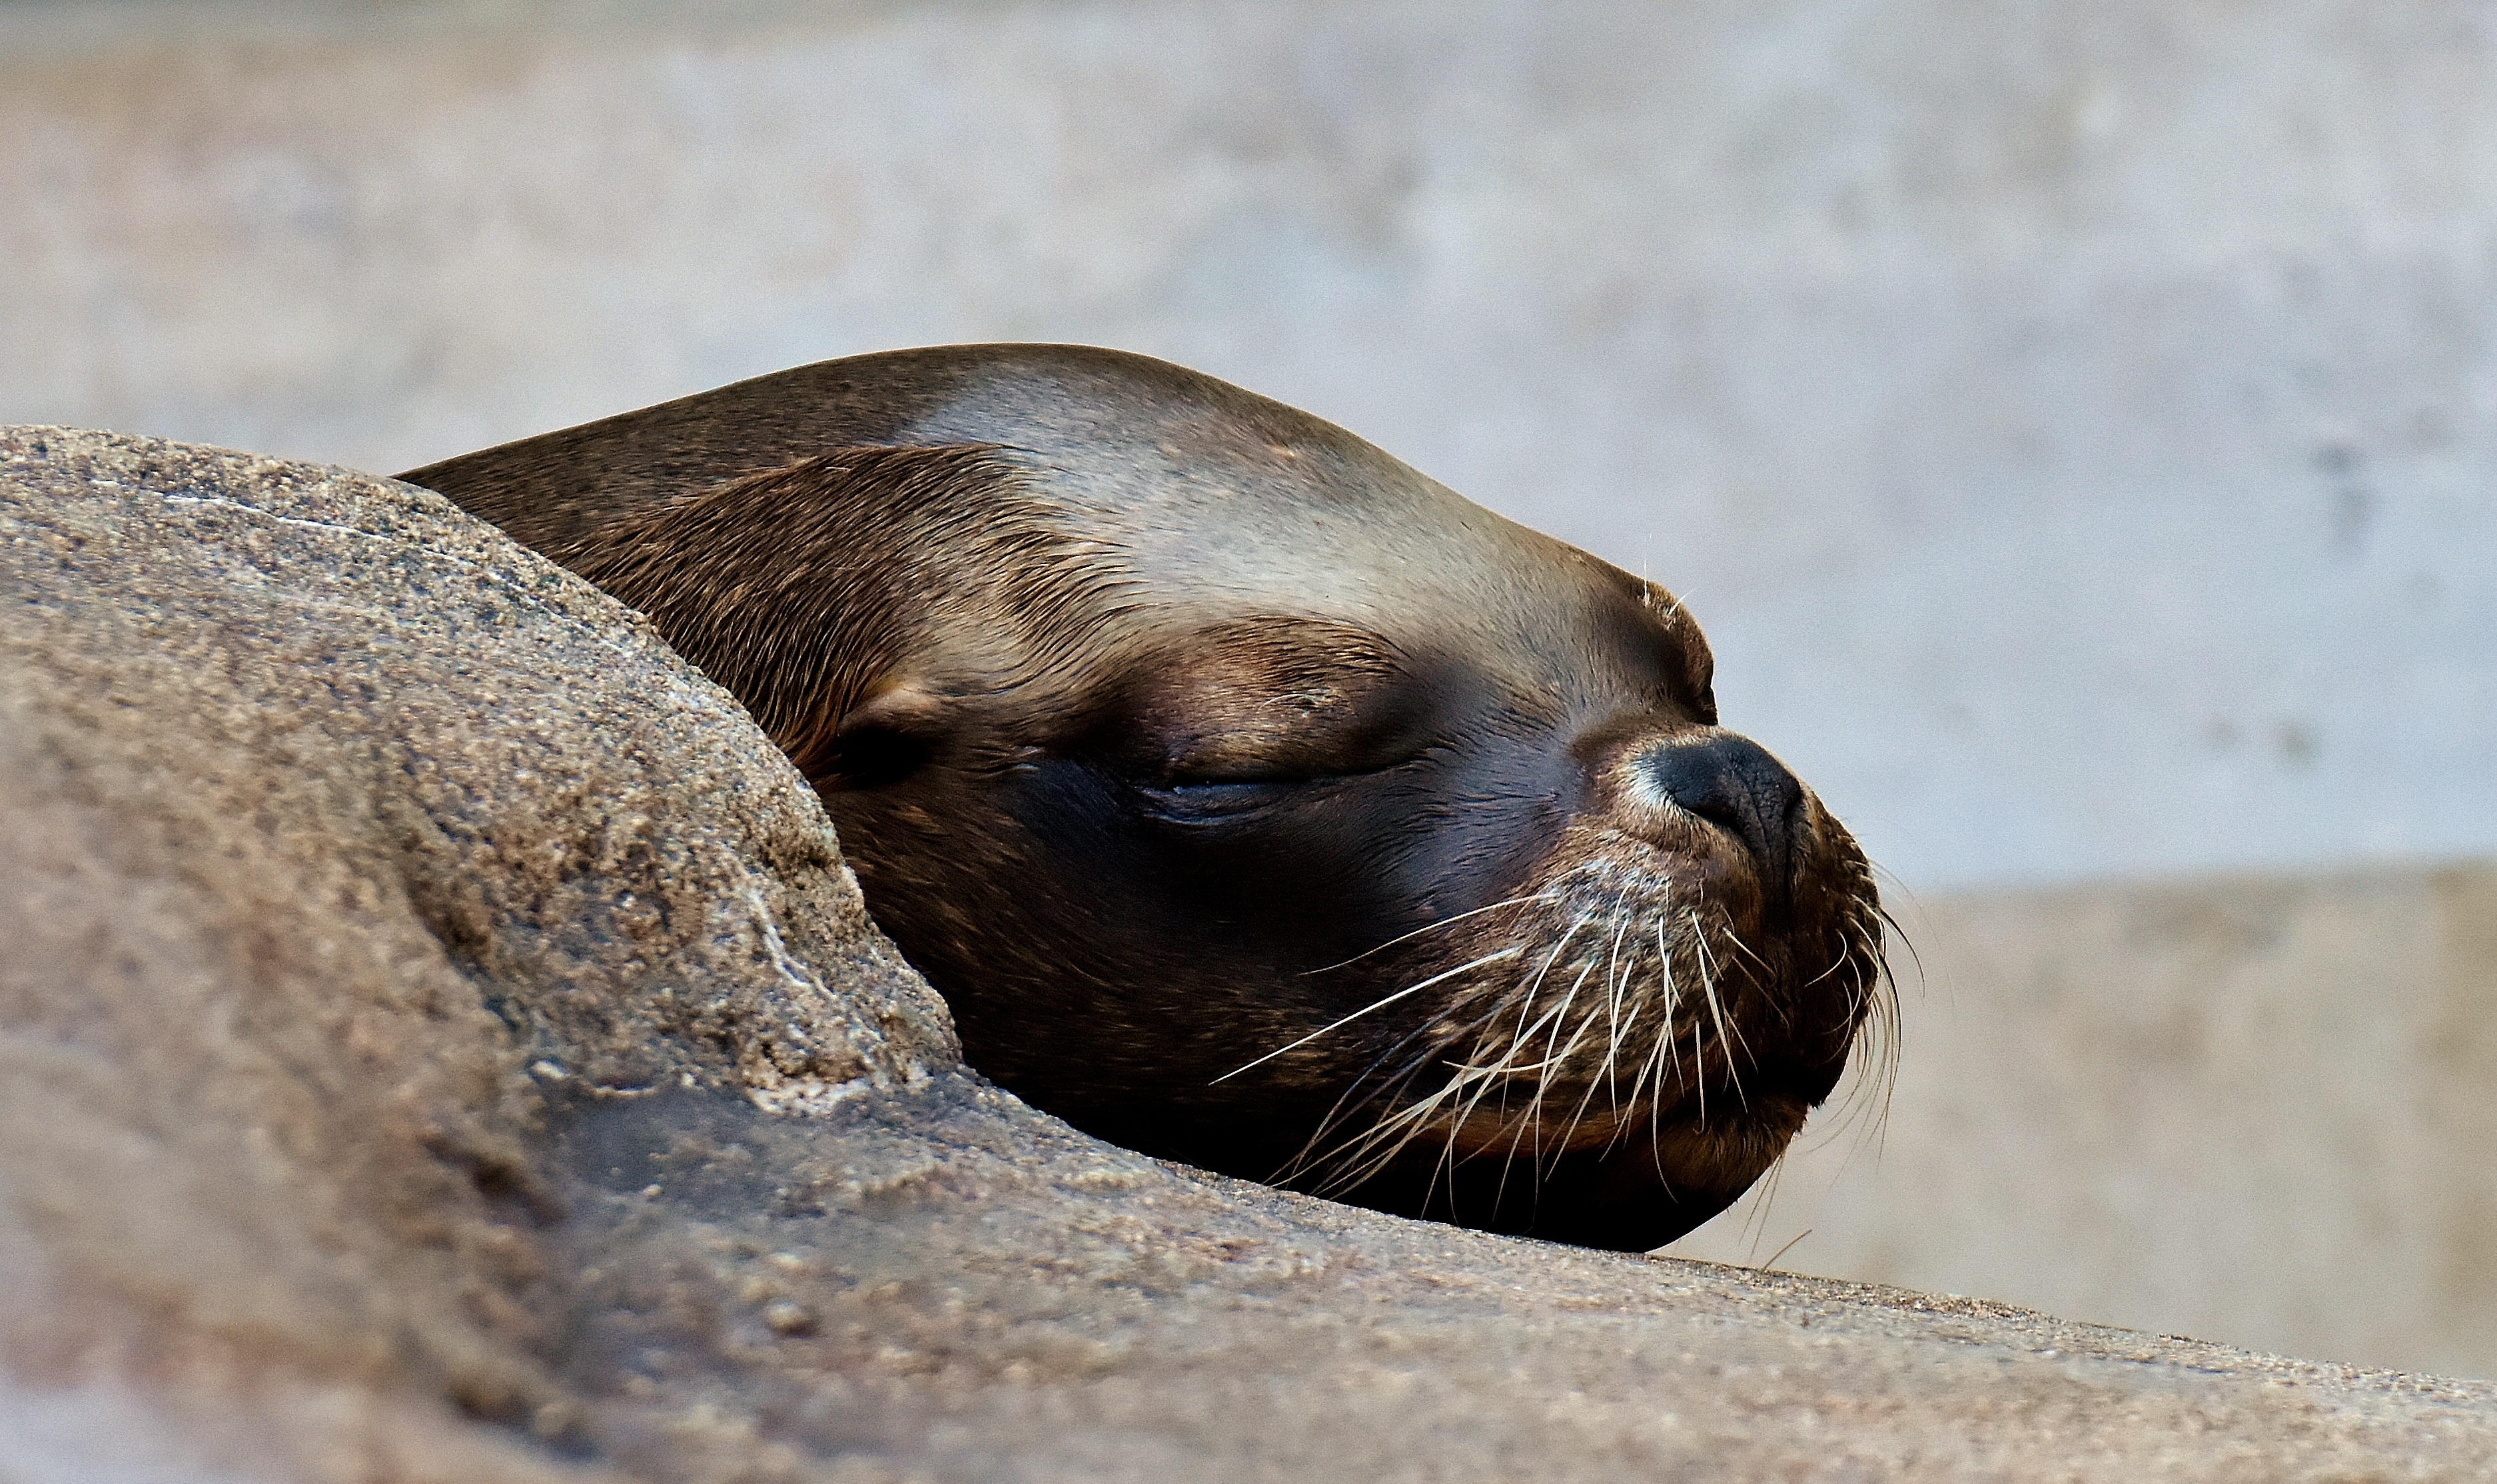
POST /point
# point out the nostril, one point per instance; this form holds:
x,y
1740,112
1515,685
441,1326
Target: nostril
x,y
1733,783
1725,815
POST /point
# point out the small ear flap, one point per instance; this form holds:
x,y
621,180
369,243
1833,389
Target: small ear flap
x,y
881,741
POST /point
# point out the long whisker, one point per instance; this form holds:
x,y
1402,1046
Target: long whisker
x,y
1655,1061
1664,1061
1346,1103
1613,1014
1546,895
1875,997
1360,1158
1526,1001
1726,1039
1623,1033
1708,990
1412,1114
1668,1053
1699,1060
1745,949
1498,1075
1553,1058
1375,1004
1525,1007
1361,1154
1578,1114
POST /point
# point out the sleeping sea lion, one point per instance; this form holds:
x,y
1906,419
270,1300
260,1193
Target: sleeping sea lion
x,y
1253,800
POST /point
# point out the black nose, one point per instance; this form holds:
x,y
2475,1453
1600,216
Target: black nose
x,y
1732,782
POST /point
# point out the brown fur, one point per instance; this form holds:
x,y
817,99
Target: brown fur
x,y
843,571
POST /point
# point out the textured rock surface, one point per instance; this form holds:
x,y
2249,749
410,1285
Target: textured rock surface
x,y
437,1040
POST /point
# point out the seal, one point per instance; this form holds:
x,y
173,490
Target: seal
x,y
1253,800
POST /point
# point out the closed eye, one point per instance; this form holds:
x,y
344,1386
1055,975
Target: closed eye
x,y
1207,801
1181,798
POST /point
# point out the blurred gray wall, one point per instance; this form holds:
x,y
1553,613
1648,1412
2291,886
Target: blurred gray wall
x,y
2076,425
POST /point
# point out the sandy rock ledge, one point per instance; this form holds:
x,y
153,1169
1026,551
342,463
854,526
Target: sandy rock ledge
x,y
438,1040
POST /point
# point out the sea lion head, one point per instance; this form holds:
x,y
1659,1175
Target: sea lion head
x,y
1253,799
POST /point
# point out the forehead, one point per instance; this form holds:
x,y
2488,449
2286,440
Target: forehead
x,y
1221,503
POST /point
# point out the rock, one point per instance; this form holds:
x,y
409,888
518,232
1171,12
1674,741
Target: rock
x,y
438,1041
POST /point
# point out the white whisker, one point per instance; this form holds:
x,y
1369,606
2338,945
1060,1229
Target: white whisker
x,y
1546,895
1375,1004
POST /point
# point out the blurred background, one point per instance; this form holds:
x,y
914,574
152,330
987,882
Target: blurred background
x,y
2076,426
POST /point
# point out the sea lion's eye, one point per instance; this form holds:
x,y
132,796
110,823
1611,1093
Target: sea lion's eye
x,y
879,742
1252,715
1206,801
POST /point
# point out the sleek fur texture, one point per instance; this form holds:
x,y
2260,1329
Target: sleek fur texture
x,y
1253,799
